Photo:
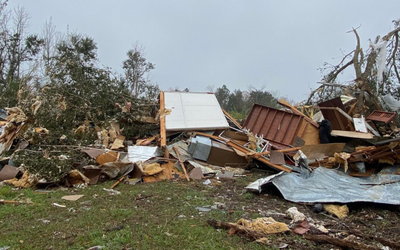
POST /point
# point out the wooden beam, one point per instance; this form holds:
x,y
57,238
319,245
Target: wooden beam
x,y
181,162
232,119
339,242
297,112
163,132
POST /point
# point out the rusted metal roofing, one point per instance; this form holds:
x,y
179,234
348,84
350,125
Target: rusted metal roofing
x,y
273,124
381,116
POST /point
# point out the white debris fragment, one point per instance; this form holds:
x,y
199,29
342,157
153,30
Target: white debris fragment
x,y
58,205
295,215
112,191
380,48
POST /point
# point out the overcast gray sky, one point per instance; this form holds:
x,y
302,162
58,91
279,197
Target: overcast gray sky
x,y
278,45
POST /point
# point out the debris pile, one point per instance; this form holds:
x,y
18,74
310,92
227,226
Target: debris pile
x,y
332,157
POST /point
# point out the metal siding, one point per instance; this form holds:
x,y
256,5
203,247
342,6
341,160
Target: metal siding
x,y
275,125
191,111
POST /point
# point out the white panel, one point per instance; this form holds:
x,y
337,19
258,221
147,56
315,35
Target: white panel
x,y
193,111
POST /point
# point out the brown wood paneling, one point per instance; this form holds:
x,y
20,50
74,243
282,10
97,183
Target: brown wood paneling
x,y
381,116
338,121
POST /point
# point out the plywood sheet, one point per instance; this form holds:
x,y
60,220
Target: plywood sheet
x,y
319,151
337,120
352,134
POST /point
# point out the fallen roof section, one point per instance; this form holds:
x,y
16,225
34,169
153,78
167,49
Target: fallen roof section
x,y
280,127
331,185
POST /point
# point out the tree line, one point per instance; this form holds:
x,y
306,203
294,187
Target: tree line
x,y
238,103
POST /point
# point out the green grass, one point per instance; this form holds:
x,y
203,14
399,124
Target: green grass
x,y
159,215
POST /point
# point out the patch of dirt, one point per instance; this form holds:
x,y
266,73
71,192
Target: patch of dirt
x,y
373,225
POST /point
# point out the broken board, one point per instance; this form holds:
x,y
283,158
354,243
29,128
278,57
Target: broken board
x,y
319,151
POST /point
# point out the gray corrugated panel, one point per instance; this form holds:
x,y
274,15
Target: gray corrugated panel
x,y
330,185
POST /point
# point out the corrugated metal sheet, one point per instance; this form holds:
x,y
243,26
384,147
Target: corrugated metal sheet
x,y
273,124
193,111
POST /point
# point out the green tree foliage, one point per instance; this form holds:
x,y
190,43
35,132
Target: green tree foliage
x,y
222,95
239,103
77,90
262,97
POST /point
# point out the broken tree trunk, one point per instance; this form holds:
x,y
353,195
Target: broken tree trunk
x,y
339,242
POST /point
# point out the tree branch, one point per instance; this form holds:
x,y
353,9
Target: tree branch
x,y
356,62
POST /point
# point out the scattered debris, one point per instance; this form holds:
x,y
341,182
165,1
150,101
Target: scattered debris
x,y
254,229
72,197
340,211
339,157
58,205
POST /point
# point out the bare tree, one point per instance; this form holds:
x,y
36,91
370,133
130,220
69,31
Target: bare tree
x,y
371,78
136,69
51,37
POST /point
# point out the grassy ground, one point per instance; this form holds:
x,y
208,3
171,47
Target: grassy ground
x,y
159,215
163,215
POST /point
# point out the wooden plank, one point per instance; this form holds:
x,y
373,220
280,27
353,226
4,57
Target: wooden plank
x,y
181,162
286,150
352,134
163,132
311,135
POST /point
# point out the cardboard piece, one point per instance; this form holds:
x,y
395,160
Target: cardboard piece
x,y
116,169
74,177
222,155
72,197
93,153
169,172
152,169
8,172
320,151
196,174
118,142
93,174
277,157
109,156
